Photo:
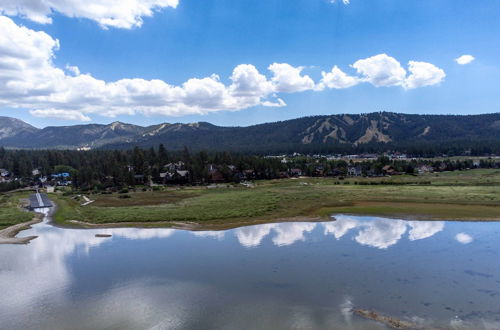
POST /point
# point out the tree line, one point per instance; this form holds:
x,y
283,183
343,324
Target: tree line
x,y
102,169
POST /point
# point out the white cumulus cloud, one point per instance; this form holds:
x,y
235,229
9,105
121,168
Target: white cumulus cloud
x,y
381,70
465,59
248,81
336,79
289,79
423,74
384,71
107,13
30,80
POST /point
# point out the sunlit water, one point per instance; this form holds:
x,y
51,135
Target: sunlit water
x,y
274,276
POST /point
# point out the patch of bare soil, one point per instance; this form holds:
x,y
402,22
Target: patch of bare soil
x,y
8,235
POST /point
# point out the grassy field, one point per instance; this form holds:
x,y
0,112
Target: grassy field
x,y
464,195
10,210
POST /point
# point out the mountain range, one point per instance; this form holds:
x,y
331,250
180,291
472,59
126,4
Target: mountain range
x,y
341,131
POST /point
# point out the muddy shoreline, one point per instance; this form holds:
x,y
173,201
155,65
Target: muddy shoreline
x,y
8,235
232,224
187,225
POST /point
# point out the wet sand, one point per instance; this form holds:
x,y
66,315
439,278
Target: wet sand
x,y
189,225
8,235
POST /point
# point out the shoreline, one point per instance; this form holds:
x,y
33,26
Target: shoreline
x,y
8,235
187,225
220,226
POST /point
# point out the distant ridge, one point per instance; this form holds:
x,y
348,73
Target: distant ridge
x,y
341,132
10,127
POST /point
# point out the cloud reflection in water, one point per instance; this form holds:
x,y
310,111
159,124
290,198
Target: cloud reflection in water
x,y
29,275
286,233
381,233
376,232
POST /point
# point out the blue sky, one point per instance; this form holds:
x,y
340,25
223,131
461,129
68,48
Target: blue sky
x,y
195,39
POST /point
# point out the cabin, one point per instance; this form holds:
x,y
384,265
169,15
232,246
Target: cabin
x,y
216,176
182,176
177,177
249,174
425,169
443,167
389,170
171,167
139,179
295,172
354,171
319,171
283,175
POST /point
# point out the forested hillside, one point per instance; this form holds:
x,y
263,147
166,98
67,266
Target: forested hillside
x,y
421,134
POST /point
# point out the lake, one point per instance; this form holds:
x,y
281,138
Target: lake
x,y
271,276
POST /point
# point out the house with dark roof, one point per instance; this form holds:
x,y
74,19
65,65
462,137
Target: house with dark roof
x,y
354,171
425,169
389,170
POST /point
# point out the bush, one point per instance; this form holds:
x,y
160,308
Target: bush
x,y
123,191
124,196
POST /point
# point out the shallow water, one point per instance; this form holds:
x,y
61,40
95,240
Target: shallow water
x,y
274,276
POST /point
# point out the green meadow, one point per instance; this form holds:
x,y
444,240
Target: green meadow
x,y
460,195
11,212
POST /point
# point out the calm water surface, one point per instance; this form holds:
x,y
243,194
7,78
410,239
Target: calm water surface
x,y
274,276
